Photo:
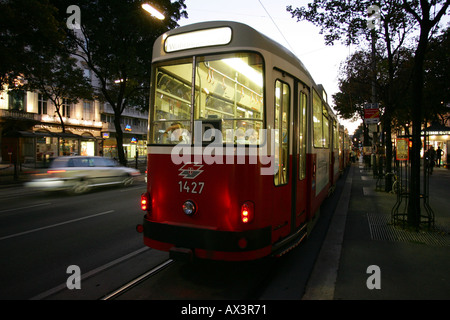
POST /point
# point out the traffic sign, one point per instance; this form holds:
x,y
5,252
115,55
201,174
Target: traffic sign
x,y
371,115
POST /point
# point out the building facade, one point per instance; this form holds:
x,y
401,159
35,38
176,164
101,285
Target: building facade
x,y
31,131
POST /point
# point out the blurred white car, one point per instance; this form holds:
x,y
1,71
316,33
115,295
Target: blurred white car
x,y
78,174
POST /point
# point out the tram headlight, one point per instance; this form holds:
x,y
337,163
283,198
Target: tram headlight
x,y
247,212
189,208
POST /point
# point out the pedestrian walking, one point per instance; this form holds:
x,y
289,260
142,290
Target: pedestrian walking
x,y
352,155
430,158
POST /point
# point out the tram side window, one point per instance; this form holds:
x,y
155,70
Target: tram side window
x,y
302,133
335,135
282,102
317,120
321,123
326,127
172,104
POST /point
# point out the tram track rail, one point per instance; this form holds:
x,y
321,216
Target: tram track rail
x,y
136,281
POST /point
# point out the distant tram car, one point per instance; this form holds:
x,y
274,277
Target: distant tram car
x,y
242,145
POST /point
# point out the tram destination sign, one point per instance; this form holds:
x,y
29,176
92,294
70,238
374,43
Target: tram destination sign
x,y
197,39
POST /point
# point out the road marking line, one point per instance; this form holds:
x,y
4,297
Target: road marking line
x,y
27,207
132,189
54,225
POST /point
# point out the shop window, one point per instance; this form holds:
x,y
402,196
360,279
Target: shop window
x,y
65,108
42,104
87,110
17,100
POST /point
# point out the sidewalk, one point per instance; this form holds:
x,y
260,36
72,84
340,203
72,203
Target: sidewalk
x,y
7,175
409,265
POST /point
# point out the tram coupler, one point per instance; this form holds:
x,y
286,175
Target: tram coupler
x,y
181,254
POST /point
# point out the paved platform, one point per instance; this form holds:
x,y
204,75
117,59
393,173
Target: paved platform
x,y
365,257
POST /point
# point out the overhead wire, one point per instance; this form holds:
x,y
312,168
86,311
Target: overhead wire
x,y
276,26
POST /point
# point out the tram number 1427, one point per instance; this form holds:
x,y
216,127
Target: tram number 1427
x,y
191,187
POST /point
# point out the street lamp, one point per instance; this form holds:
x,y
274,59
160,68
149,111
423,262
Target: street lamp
x,y
153,11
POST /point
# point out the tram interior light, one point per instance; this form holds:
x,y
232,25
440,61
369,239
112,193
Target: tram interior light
x,y
242,67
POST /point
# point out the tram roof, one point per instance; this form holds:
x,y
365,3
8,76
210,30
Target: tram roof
x,y
248,37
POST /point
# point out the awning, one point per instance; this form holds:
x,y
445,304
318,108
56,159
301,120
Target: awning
x,y
64,135
29,134
437,129
26,134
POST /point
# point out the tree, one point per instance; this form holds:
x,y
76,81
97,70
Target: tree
x,y
116,41
348,21
27,28
355,87
437,78
427,14
58,78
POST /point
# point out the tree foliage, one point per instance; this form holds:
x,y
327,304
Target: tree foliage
x,y
345,21
28,28
437,78
338,20
59,79
115,42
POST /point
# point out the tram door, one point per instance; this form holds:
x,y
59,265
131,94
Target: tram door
x,y
299,151
284,178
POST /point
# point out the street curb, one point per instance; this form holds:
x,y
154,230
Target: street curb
x,y
321,284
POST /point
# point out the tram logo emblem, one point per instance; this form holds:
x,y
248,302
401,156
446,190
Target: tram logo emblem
x,y
190,170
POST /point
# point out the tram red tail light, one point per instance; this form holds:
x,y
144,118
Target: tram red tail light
x,y
145,201
247,212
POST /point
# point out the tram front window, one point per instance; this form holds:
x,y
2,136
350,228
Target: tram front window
x,y
172,103
228,93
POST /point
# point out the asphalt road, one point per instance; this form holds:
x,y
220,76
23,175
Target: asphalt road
x,y
41,235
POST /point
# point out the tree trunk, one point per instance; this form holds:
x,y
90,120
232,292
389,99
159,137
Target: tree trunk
x,y
63,126
413,216
119,140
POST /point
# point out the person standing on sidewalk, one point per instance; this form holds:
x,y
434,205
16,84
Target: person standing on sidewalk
x,y
438,156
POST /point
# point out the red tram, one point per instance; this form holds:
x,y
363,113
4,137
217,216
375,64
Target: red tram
x,y
243,147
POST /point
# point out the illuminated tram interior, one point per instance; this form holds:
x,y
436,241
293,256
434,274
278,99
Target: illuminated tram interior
x,y
227,88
